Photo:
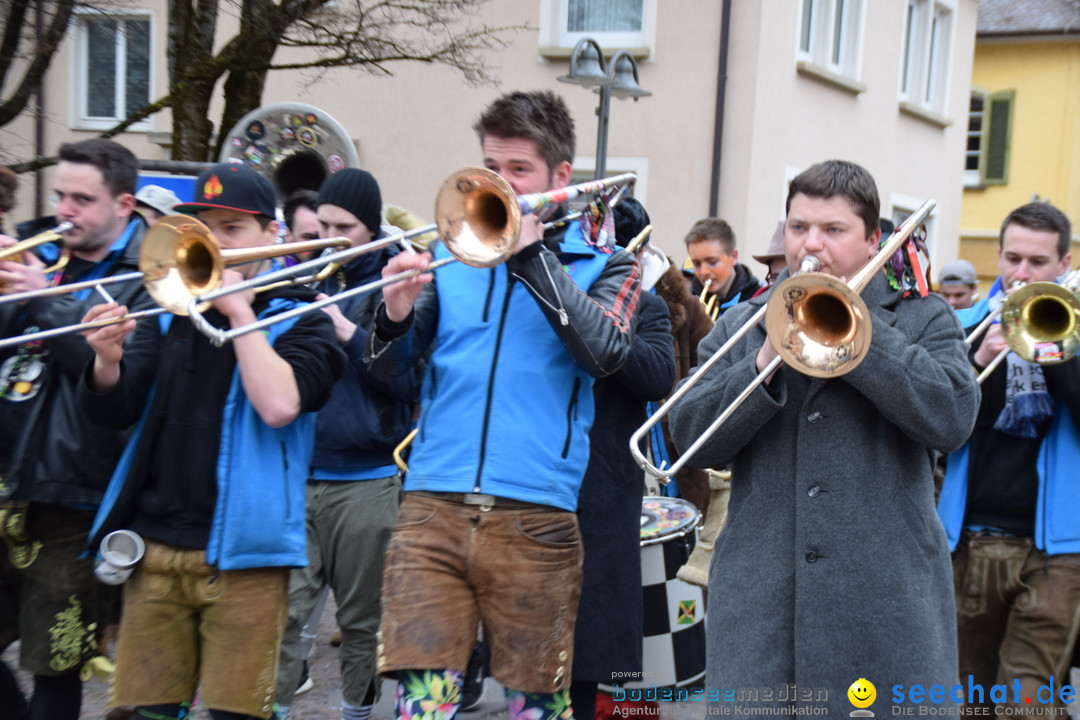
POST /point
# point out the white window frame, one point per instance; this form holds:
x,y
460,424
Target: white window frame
x,y
553,20
838,52
901,204
926,63
973,178
79,111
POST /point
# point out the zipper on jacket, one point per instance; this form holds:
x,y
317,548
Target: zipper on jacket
x,y
430,396
285,477
571,417
490,292
491,382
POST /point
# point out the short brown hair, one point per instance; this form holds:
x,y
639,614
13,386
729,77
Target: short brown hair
x,y
1040,216
712,229
840,177
117,164
540,116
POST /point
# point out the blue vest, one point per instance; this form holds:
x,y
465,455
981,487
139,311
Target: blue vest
x,y
259,518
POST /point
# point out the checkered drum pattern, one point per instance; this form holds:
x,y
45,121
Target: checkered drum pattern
x,y
674,624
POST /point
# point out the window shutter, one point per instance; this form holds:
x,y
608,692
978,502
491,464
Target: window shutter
x,y
998,129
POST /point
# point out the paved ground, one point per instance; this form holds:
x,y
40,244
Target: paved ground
x,y
323,702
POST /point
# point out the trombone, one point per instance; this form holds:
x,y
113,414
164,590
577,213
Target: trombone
x,y
178,259
818,325
478,220
1038,321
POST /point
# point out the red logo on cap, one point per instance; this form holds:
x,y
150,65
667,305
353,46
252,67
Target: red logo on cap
x,y
212,188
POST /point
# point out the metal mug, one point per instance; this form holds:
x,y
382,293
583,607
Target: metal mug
x,y
121,551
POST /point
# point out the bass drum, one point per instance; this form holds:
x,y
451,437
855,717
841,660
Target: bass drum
x,y
291,144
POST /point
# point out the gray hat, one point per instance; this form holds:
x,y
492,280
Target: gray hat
x,y
958,272
776,246
157,198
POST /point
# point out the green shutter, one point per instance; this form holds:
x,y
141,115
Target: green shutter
x,y
997,128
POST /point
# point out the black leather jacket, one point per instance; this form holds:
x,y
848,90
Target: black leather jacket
x,y
59,455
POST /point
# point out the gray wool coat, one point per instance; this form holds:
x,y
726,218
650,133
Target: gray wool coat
x,y
833,565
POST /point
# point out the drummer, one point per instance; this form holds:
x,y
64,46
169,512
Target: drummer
x,y
833,565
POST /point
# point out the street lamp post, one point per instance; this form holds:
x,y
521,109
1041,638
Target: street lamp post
x,y
588,69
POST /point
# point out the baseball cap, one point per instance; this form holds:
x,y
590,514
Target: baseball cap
x,y
157,198
231,186
776,246
957,272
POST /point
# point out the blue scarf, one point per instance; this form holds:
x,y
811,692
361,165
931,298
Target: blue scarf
x,y
1028,406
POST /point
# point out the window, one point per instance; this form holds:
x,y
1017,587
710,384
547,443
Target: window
x,y
614,24
112,69
900,208
973,152
830,35
989,130
928,40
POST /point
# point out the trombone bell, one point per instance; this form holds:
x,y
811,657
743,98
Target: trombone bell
x,y
821,324
478,217
1039,322
179,260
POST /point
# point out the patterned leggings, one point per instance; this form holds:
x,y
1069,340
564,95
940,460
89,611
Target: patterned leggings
x,y
436,695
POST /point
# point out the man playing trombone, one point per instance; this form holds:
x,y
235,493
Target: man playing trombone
x,y
1009,501
214,475
57,462
487,529
832,566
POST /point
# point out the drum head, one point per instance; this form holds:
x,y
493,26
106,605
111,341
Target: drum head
x,y
665,518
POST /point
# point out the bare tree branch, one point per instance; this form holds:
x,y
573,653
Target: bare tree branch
x,y
43,51
367,34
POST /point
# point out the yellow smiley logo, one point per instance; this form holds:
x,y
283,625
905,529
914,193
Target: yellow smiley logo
x,y
862,693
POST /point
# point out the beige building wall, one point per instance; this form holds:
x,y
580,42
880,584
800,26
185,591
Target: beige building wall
x,y
414,127
788,120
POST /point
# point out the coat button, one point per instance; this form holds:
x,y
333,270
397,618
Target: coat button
x,y
811,556
814,416
814,490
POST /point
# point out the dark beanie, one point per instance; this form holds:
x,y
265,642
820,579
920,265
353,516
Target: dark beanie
x,y
357,191
630,220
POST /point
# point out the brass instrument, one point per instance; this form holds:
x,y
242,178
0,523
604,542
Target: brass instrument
x,y
14,252
710,302
291,144
478,217
817,324
1039,323
179,259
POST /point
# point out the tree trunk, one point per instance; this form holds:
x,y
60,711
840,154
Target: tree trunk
x,y
266,23
192,76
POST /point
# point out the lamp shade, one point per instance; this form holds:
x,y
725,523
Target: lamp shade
x,y
587,66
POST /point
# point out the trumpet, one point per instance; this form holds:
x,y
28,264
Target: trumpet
x,y
53,235
710,302
478,221
818,325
